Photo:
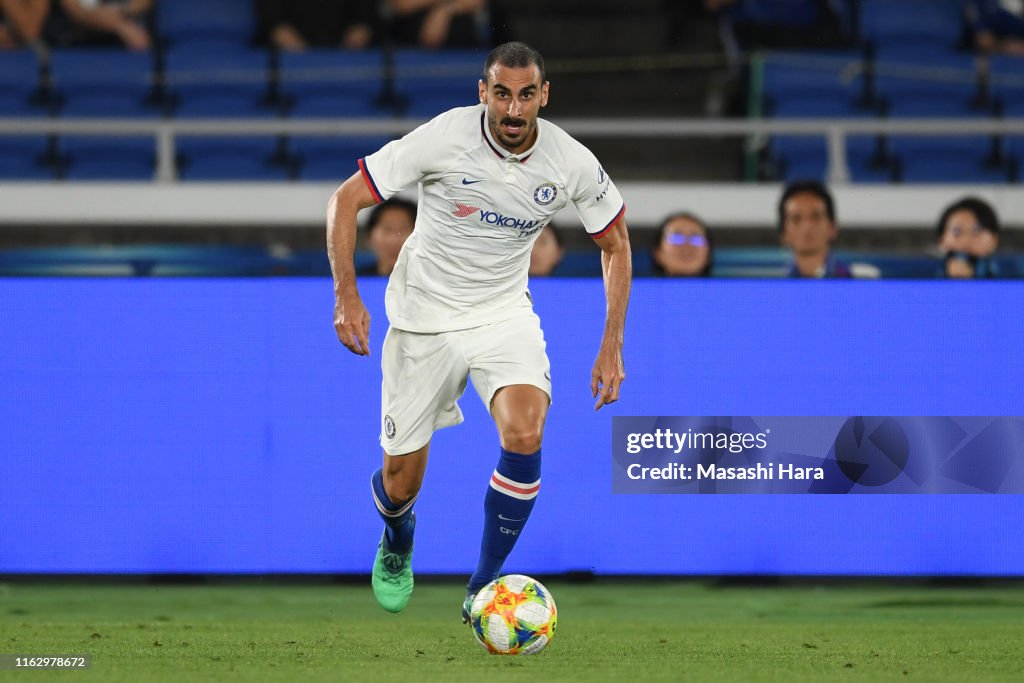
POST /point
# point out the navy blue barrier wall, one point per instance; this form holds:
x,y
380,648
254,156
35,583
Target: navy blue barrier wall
x,y
217,426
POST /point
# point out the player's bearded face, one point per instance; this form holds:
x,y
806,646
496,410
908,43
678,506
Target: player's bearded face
x,y
514,97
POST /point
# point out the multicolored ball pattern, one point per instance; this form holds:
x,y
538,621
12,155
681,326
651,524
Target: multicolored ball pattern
x,y
514,615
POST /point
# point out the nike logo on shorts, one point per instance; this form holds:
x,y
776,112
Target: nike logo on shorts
x,y
467,181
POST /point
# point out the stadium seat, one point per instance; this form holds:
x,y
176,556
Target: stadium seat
x,y
314,262
1007,84
907,99
328,169
232,158
104,82
801,157
107,158
19,80
429,83
814,105
926,159
329,83
867,161
23,158
332,158
213,79
935,22
141,260
819,85
185,21
1013,146
928,56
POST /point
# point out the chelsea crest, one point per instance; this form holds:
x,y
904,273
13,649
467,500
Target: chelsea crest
x,y
545,194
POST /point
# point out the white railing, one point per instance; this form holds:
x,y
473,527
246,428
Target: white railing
x,y
835,131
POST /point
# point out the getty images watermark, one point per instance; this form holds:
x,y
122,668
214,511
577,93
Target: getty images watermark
x,y
820,454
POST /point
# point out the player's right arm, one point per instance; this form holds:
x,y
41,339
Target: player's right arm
x,y
351,319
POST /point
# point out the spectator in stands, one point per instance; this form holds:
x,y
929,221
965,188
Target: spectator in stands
x,y
968,233
807,225
391,222
997,26
683,248
22,22
98,22
548,252
296,25
435,24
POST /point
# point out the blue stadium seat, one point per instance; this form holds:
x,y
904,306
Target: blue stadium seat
x,y
814,105
1014,144
942,168
819,85
23,158
104,82
19,79
801,157
905,21
217,79
327,169
927,56
432,82
960,159
913,98
141,260
108,158
332,158
1007,82
328,83
862,158
184,21
231,158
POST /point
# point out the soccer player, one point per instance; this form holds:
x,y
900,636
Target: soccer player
x,y
490,177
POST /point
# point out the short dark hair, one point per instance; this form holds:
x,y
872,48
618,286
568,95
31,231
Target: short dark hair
x,y
806,187
514,55
981,209
392,203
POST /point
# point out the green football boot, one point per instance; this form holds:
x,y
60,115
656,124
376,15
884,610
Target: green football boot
x,y
467,608
392,577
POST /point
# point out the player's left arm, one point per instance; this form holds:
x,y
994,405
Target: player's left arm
x,y
617,267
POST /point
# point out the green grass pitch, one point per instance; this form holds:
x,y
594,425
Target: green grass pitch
x,y
607,631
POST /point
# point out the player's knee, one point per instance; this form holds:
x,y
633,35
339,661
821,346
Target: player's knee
x,y
400,486
522,437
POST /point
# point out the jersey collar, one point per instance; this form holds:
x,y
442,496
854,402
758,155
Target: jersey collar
x,y
501,151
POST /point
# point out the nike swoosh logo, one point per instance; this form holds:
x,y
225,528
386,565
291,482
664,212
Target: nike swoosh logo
x,y
509,519
470,182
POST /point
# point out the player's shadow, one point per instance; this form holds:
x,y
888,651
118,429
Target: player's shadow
x,y
949,602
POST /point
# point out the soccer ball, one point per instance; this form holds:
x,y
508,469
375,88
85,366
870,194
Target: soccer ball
x,y
514,615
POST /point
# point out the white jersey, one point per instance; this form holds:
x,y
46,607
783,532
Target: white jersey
x,y
480,210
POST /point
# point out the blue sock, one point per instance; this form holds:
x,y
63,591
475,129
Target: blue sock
x,y
398,517
507,506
